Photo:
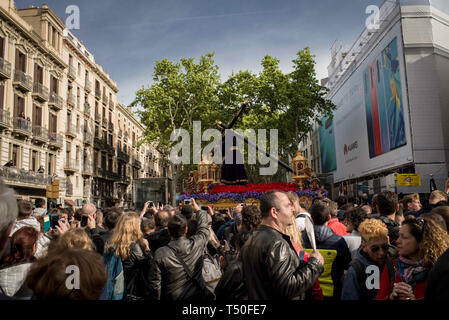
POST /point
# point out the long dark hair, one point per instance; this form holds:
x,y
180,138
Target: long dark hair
x,y
22,246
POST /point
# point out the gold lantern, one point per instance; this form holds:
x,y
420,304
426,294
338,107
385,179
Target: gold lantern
x,y
207,173
301,170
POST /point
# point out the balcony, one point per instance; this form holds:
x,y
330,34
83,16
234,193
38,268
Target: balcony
x,y
111,105
105,99
87,138
112,175
109,149
72,72
97,117
122,156
124,179
99,172
70,131
5,119
71,166
55,101
40,92
22,127
5,69
87,170
25,178
98,93
104,123
40,134
110,126
87,85
99,143
56,140
87,109
22,80
71,101
137,164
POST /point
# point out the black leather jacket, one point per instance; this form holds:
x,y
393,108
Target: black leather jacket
x,y
231,285
273,270
168,277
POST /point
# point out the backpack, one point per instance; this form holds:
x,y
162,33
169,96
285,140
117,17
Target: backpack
x,y
361,276
115,286
211,272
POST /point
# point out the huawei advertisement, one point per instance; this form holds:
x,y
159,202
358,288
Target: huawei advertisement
x,y
370,132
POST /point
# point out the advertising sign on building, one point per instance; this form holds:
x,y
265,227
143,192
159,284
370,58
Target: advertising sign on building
x,y
370,129
408,180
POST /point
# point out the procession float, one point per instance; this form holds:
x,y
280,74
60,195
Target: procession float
x,y
225,186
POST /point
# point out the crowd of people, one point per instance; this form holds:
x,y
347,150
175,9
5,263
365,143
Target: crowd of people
x,y
381,249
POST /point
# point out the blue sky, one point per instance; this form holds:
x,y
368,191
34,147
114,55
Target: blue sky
x,y
127,37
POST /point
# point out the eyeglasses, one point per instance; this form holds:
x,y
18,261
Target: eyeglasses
x,y
385,247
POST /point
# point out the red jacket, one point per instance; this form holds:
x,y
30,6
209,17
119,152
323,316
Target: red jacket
x,y
337,227
385,287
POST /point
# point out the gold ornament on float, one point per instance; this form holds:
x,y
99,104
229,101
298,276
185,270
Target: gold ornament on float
x,y
301,171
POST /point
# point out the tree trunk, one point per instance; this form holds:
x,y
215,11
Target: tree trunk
x,y
174,182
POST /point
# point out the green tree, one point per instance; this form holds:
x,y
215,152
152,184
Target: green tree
x,y
186,91
289,102
182,92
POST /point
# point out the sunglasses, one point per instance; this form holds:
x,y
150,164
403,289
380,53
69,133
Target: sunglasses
x,y
385,247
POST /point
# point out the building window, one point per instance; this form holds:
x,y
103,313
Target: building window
x,y
53,85
15,155
51,165
2,96
34,161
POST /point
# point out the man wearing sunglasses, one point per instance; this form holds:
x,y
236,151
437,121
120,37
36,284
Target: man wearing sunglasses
x,y
362,279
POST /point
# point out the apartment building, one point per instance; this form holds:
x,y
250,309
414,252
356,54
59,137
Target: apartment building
x,y
59,110
32,72
134,159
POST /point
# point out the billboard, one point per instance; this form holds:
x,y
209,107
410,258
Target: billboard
x,y
371,124
327,146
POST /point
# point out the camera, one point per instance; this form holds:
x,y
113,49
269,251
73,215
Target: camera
x,y
187,202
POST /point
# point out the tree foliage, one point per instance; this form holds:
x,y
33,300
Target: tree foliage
x,y
186,91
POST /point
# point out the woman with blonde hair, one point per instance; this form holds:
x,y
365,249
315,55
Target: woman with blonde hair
x,y
73,238
295,237
128,243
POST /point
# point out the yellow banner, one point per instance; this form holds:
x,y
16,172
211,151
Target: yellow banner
x,y
409,180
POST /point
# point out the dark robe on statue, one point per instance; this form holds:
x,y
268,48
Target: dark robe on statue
x,y
232,173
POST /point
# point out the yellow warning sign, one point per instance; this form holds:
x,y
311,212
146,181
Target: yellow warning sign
x,y
408,180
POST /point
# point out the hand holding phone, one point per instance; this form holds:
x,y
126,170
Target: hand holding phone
x,y
84,221
54,221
